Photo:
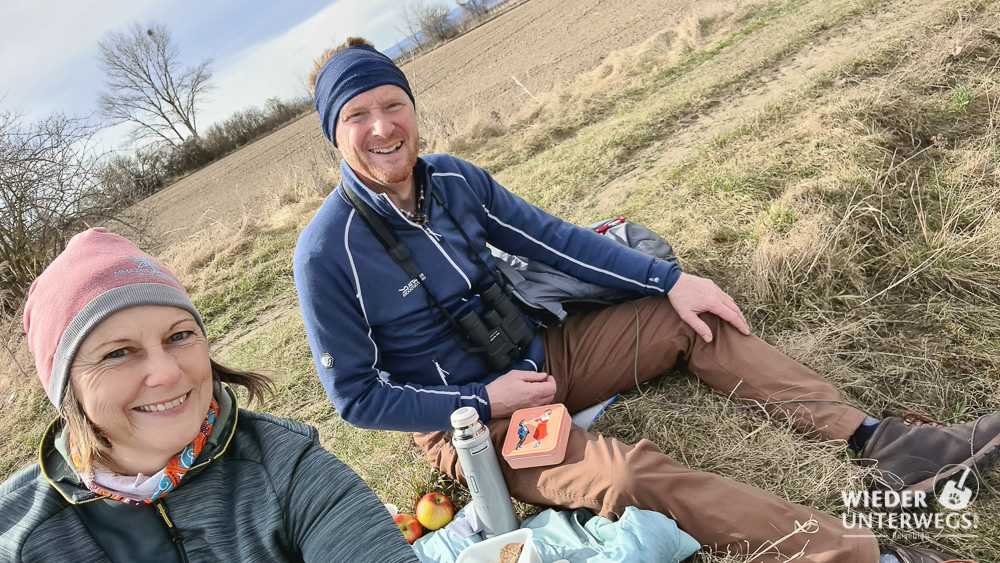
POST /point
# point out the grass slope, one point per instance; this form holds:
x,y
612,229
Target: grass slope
x,y
854,215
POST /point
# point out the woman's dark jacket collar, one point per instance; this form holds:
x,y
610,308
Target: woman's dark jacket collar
x,y
53,453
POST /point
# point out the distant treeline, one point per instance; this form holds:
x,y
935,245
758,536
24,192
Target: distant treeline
x,y
429,24
143,172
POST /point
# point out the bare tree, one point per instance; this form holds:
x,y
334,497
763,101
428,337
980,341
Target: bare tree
x,y
474,9
146,86
408,27
428,23
48,192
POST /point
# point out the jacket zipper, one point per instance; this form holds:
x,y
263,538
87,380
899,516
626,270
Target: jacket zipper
x,y
175,536
435,238
441,371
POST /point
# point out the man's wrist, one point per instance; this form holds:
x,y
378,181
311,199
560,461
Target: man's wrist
x,y
670,277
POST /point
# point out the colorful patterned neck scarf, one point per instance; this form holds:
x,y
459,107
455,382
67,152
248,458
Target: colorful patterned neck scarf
x,y
139,489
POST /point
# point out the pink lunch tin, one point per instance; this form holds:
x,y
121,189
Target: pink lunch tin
x,y
537,436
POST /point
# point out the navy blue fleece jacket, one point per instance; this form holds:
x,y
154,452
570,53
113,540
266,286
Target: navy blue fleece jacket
x,y
386,357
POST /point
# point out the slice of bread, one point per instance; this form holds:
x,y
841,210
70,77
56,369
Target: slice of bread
x,y
511,552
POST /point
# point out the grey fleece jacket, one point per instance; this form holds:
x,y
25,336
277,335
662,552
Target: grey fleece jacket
x,y
262,489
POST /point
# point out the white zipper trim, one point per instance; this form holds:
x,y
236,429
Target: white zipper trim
x,y
452,174
396,209
570,258
452,262
441,371
357,285
431,235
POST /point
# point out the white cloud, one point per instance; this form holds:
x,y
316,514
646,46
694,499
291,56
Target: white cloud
x,y
278,67
49,50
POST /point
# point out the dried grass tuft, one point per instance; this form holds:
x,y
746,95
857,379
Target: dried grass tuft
x,y
24,409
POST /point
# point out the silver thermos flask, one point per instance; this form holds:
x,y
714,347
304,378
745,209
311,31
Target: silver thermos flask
x,y
479,462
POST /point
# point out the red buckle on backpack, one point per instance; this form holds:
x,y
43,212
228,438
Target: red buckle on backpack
x,y
616,221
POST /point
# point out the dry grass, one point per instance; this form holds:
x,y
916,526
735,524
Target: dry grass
x,y
856,218
25,411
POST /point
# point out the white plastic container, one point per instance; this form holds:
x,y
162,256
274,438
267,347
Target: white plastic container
x,y
488,551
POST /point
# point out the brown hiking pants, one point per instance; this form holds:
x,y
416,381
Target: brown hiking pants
x,y
591,358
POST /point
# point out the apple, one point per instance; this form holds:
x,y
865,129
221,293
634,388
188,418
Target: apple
x,y
409,526
434,510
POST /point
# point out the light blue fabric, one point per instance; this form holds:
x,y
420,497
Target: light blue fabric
x,y
579,536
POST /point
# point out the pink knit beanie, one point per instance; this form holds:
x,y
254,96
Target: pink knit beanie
x,y
98,274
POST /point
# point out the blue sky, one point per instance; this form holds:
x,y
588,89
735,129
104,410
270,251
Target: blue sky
x,y
48,49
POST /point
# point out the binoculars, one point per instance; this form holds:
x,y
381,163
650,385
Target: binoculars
x,y
500,332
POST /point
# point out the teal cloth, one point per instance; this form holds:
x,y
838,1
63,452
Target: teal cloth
x,y
578,536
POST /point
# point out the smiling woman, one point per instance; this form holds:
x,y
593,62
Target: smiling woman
x,y
143,376
151,458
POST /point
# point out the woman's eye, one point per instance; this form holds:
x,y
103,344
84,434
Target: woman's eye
x,y
179,336
119,353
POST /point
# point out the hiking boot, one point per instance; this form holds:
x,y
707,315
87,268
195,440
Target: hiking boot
x,y
922,555
913,453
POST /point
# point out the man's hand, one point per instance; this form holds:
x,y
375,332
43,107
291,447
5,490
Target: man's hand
x,y
692,296
519,389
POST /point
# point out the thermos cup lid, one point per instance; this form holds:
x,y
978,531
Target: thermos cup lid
x,y
464,417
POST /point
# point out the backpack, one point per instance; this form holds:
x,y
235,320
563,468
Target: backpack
x,y
551,295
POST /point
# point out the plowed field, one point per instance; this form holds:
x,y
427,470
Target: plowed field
x,y
541,43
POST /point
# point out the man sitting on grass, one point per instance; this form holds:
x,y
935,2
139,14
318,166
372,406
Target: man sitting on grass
x,y
395,350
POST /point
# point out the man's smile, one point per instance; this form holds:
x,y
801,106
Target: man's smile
x,y
391,149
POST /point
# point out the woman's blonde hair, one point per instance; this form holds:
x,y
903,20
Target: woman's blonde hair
x,y
93,446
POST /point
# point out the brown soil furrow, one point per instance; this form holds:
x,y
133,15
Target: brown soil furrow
x,y
544,43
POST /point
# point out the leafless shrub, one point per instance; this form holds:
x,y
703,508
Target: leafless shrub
x,y
246,125
473,9
131,177
48,192
190,155
428,23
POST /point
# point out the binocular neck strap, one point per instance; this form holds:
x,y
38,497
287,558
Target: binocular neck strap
x,y
396,249
468,241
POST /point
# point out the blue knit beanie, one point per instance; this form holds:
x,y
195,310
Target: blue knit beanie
x,y
354,70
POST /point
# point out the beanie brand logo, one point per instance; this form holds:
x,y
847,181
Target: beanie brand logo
x,y
143,267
